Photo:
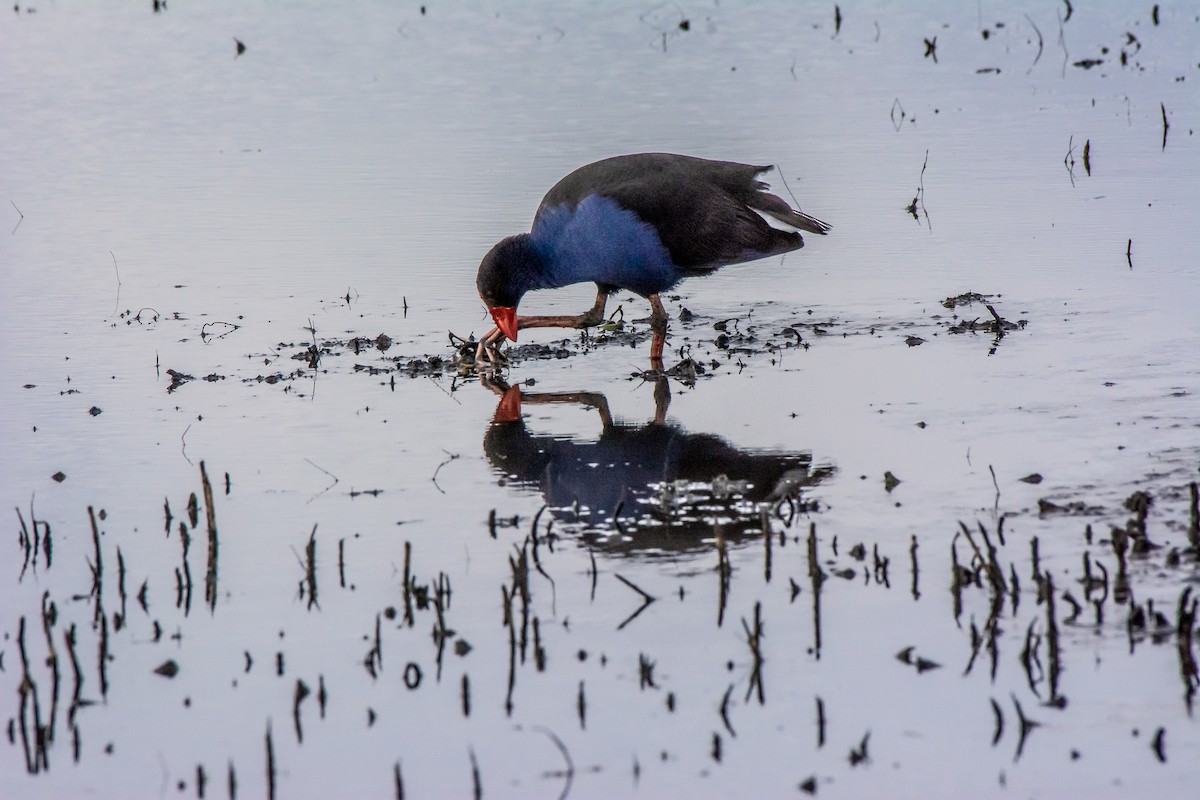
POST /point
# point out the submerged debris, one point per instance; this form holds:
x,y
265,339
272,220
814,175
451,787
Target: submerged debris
x,y
997,325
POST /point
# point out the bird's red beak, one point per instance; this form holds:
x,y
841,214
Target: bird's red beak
x,y
506,320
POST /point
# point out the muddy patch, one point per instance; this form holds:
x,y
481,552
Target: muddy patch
x,y
703,347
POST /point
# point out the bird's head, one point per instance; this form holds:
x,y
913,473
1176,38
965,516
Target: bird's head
x,y
505,274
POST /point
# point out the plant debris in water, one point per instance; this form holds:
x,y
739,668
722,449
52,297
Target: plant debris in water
x,y
710,346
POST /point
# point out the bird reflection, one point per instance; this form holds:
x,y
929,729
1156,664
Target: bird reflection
x,y
665,487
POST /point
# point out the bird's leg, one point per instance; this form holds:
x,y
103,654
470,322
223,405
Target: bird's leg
x,y
595,315
588,319
658,324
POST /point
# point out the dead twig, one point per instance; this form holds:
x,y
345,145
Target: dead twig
x,y
918,200
1038,57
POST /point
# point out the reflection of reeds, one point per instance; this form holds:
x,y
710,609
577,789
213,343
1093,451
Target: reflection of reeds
x,y
1194,518
1046,655
183,573
49,617
1185,627
97,567
374,658
33,543
441,603
647,599
512,659
754,634
724,572
77,692
1052,645
1025,726
816,577
34,747
302,692
270,763
476,780
765,522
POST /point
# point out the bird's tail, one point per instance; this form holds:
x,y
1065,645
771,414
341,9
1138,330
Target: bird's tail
x,y
775,207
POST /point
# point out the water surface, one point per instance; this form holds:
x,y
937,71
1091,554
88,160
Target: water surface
x,y
174,207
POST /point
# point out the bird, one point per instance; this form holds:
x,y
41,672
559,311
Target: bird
x,y
641,222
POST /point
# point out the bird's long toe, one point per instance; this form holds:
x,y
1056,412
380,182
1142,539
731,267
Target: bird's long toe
x,y
488,349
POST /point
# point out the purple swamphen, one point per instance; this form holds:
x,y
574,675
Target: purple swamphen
x,y
638,222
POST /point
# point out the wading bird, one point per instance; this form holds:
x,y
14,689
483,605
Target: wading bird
x,y
637,222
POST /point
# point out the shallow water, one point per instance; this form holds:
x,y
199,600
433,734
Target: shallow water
x,y
173,207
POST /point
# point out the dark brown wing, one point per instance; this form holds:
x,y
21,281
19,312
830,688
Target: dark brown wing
x,y
703,211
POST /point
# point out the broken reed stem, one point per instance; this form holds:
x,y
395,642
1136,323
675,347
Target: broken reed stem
x,y
995,572
210,513
820,722
961,576
310,572
121,588
999,335
979,559
342,562
1038,57
912,552
408,605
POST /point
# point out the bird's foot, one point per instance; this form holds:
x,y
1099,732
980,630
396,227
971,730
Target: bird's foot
x,y
590,318
487,353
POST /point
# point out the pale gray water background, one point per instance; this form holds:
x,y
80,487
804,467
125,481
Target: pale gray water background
x,y
376,153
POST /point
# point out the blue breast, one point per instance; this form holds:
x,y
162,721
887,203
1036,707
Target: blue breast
x,y
600,241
